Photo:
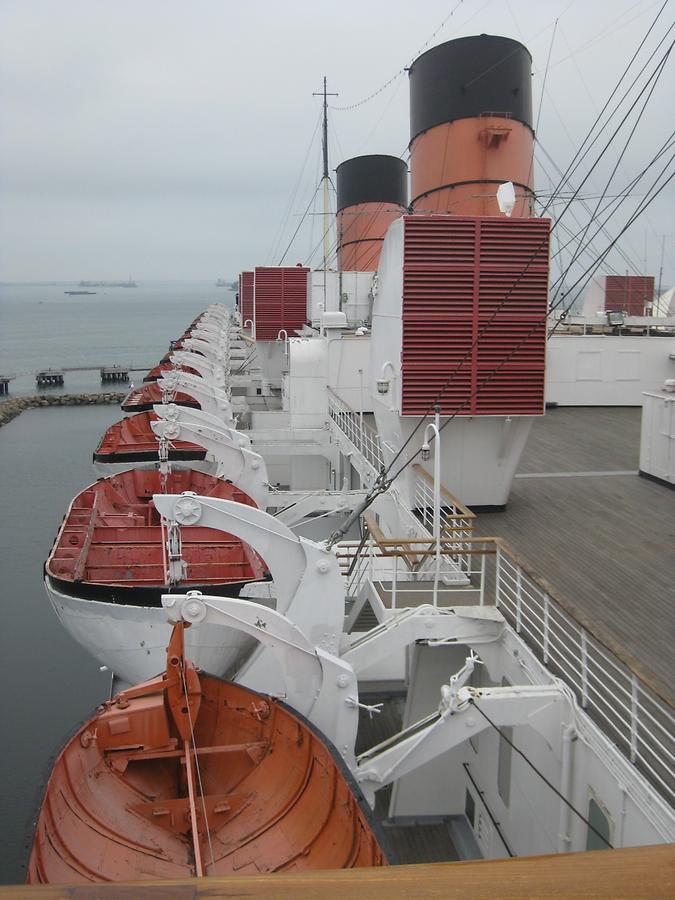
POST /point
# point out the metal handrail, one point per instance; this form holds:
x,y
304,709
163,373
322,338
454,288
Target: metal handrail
x,y
364,438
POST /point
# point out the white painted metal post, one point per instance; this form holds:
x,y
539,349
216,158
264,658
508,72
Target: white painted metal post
x,y
546,628
584,669
483,559
393,583
361,409
435,426
633,718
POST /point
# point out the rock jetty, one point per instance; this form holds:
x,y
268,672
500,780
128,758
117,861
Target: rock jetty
x,y
11,408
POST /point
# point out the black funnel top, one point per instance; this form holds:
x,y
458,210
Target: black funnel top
x,y
463,78
372,179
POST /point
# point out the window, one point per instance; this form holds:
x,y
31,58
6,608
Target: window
x,y
470,807
504,768
599,819
505,753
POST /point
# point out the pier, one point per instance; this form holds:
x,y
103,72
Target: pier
x,y
4,384
49,377
114,373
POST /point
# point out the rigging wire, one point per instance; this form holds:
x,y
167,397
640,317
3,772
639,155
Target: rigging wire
x,y
403,68
534,768
579,156
621,199
655,76
300,223
289,207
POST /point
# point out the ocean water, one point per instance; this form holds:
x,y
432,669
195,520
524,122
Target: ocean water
x,y
41,327
50,684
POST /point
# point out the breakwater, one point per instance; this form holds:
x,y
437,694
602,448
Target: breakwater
x,y
9,409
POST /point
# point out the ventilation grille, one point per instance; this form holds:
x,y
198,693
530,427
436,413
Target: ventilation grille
x,y
475,296
629,293
280,300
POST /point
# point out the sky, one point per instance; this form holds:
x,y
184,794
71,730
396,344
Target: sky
x,y
167,139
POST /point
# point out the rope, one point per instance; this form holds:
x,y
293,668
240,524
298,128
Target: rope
x,y
197,769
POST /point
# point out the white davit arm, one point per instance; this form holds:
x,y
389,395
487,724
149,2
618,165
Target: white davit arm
x,y
212,372
317,684
243,467
211,399
308,584
170,412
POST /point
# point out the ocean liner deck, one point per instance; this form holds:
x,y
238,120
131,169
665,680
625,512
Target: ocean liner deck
x,y
600,534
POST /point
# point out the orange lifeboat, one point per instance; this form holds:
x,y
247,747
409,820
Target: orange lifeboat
x,y
188,775
111,545
142,399
163,368
133,440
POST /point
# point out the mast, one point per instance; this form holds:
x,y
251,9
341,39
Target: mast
x,y
325,179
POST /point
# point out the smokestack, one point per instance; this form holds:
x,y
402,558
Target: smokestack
x,y
471,126
372,192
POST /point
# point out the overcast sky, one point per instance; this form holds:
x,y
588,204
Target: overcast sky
x,y
164,138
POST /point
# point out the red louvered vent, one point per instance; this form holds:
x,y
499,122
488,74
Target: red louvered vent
x,y
280,300
629,293
246,296
475,296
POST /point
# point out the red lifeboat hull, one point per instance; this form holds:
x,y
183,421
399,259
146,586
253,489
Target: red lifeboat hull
x,y
143,398
274,796
111,545
133,440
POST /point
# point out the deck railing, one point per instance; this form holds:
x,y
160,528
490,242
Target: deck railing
x,y
456,519
639,722
364,438
633,715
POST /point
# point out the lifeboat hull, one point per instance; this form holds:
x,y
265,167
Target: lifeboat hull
x,y
107,572
271,795
131,640
131,443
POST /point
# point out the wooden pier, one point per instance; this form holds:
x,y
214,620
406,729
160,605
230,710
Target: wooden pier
x,y
114,373
49,377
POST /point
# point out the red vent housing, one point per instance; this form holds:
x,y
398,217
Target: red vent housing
x,y
457,342
280,300
629,293
246,296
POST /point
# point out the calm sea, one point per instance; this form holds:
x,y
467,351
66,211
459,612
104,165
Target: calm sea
x,y
41,327
49,683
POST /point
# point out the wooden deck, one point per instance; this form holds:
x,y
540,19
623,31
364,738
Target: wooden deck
x,y
602,536
636,872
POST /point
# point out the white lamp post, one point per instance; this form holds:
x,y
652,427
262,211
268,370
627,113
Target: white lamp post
x,y
285,340
435,427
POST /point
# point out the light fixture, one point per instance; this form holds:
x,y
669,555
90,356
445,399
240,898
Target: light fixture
x,y
426,451
615,317
382,385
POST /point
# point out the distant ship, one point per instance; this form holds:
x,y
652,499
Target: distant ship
x,y
79,292
232,285
125,284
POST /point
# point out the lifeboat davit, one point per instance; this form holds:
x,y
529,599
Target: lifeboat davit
x,y
132,440
189,775
108,569
163,368
142,399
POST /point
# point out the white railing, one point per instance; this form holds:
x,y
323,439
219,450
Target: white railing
x,y
364,438
635,719
399,575
456,519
